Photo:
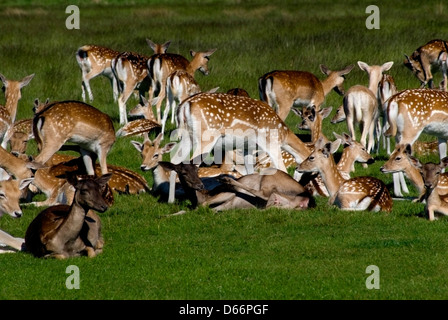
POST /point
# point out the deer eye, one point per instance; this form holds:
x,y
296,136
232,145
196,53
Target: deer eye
x,y
398,159
311,158
156,155
2,196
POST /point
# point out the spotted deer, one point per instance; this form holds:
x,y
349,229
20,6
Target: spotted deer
x,y
436,186
282,89
94,60
66,231
361,105
160,66
432,54
12,89
76,122
414,111
358,193
131,72
312,120
401,160
238,122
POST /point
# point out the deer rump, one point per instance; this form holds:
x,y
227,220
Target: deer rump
x,y
273,188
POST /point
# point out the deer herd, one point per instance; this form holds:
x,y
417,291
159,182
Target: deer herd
x,y
227,150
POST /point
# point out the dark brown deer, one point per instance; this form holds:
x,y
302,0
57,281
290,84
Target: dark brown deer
x,y
66,231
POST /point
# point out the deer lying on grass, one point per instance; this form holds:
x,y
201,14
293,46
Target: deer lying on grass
x,y
287,88
10,193
359,193
361,104
77,122
67,231
273,188
436,186
8,112
160,66
434,53
207,118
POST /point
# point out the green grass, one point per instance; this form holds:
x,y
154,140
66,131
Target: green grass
x,y
320,253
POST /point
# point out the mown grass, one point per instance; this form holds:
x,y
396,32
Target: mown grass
x,y
320,253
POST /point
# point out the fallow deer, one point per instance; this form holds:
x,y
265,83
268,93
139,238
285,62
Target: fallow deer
x,y
95,61
413,111
361,105
285,88
359,193
432,54
66,231
386,89
436,185
236,121
76,122
131,72
8,112
160,66
312,120
10,193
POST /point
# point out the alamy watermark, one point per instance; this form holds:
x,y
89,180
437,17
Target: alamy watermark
x,y
73,20
373,20
73,280
373,280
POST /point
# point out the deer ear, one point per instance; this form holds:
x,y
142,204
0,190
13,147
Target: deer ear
x,y
26,80
167,165
444,162
324,69
408,149
363,66
415,162
104,179
325,112
137,145
387,66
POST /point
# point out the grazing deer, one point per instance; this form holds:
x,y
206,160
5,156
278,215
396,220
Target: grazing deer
x,y
436,185
10,192
18,136
339,115
433,53
361,105
131,72
359,193
235,120
95,61
413,111
67,231
287,88
160,66
77,122
8,112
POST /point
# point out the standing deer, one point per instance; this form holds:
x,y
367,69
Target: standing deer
x,y
95,61
8,112
386,89
413,111
131,73
286,88
160,66
67,231
312,120
207,118
432,54
359,193
361,104
77,122
436,185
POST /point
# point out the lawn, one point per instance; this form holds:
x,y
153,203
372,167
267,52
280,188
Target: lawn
x,y
320,253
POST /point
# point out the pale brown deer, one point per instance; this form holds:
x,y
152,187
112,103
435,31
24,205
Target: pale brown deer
x,y
131,72
414,111
94,61
238,122
432,54
361,104
282,89
12,89
312,120
10,193
358,193
67,231
436,186
76,122
160,66
386,89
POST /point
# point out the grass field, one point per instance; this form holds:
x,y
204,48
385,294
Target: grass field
x,y
320,253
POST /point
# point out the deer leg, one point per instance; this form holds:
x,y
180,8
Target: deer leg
x,y
124,97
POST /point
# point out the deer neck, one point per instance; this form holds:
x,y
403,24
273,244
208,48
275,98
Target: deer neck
x,y
75,219
331,176
161,177
327,85
11,105
346,163
415,177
